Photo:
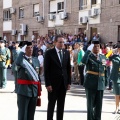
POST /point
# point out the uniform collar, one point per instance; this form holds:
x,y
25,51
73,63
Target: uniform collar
x,y
28,57
95,54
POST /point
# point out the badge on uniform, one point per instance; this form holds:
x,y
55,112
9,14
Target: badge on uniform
x,y
30,60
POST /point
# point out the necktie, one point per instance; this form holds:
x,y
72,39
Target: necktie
x,y
61,57
97,56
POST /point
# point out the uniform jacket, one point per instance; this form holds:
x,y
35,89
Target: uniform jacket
x,y
4,56
92,64
55,72
115,72
27,90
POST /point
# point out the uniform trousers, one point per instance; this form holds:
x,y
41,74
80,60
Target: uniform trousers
x,y
3,77
81,71
94,103
26,107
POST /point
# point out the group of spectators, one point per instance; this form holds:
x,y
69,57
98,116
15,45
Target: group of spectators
x,y
75,44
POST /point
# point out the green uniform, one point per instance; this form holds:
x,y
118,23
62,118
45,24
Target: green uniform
x,y
15,53
26,93
115,73
4,58
95,82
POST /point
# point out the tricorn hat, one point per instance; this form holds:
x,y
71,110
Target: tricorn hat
x,y
22,43
96,42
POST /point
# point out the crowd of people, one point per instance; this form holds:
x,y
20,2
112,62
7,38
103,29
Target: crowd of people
x,y
62,59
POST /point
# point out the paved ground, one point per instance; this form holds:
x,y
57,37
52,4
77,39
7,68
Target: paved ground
x,y
75,107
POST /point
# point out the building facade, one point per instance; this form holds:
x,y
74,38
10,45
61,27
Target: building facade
x,y
21,19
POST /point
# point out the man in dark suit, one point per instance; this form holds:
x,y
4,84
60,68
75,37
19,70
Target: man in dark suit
x,y
95,80
57,71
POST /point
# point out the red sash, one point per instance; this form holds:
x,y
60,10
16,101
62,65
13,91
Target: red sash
x,y
28,82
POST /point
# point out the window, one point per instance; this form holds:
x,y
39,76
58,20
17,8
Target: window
x,y
60,6
94,2
52,7
21,12
36,10
6,15
83,4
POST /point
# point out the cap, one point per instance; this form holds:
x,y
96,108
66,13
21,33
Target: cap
x,y
2,41
95,42
22,43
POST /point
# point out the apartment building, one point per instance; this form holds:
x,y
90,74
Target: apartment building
x,y
21,19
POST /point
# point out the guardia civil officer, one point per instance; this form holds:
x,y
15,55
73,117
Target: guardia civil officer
x,y
28,85
4,62
115,77
95,80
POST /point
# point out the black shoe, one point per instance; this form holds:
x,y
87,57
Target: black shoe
x,y
116,112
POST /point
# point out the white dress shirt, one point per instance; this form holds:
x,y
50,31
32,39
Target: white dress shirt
x,y
57,50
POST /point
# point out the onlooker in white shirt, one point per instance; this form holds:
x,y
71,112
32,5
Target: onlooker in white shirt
x,y
40,58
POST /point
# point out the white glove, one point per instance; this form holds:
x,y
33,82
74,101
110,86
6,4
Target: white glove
x,y
90,47
23,48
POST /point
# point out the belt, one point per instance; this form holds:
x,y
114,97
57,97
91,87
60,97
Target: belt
x,y
28,82
95,73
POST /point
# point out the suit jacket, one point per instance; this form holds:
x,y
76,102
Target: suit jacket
x,y
26,90
54,72
92,64
115,72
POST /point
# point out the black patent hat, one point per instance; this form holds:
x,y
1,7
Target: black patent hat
x,y
22,43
